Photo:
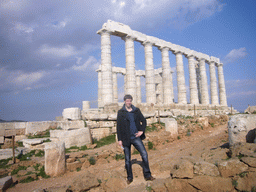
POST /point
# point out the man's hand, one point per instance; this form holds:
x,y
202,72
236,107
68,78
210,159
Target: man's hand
x,y
120,143
139,133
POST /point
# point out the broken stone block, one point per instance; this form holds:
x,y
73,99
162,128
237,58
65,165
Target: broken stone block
x,y
5,183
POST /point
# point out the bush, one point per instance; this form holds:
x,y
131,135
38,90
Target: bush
x,y
15,171
92,160
83,148
40,153
4,162
150,145
119,156
106,141
20,143
27,156
212,124
178,137
27,180
42,173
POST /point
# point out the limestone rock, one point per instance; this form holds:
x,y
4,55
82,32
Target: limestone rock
x,y
5,183
211,184
205,168
55,159
203,121
77,137
250,109
171,126
159,185
247,182
251,161
84,182
72,113
231,167
74,165
177,185
242,149
241,128
114,183
184,169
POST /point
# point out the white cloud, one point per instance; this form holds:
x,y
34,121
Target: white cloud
x,y
235,55
64,51
23,28
91,63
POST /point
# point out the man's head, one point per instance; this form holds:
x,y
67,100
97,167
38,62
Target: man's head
x,y
128,100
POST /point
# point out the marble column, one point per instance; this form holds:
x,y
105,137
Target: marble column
x,y
106,68
182,98
213,84
125,84
115,87
198,80
204,93
172,93
99,88
138,88
167,76
159,87
130,67
192,80
150,74
222,89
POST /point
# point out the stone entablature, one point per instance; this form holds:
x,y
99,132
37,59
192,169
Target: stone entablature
x,y
198,86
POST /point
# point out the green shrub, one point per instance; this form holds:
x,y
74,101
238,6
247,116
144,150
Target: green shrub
x,y
47,140
150,128
119,156
85,124
106,141
4,162
178,137
83,148
40,153
36,166
212,124
42,173
15,171
27,180
20,143
234,183
92,160
78,169
150,145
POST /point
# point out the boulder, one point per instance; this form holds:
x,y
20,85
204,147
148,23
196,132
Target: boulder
x,y
74,166
242,149
5,183
241,128
205,168
76,137
211,184
231,167
71,113
251,161
55,164
170,125
203,121
177,185
250,109
184,169
247,182
84,181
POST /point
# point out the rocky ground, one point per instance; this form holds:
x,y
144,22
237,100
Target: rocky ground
x,y
198,159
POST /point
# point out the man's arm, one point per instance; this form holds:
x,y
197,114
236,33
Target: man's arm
x,y
143,121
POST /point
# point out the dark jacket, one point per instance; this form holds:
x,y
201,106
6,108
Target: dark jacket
x,y
123,125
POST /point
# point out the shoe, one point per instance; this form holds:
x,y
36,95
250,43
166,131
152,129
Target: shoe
x,y
150,178
129,181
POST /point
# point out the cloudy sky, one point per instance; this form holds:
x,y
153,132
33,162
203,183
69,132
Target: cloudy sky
x,y
49,50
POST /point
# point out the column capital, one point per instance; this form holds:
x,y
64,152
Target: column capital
x,y
189,55
163,48
176,52
147,43
219,64
101,31
128,37
200,59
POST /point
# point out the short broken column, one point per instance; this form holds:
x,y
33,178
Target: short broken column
x,y
171,125
55,163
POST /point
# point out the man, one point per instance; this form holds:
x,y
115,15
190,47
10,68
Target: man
x,y
131,126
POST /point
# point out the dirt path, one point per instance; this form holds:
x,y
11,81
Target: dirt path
x,y
200,145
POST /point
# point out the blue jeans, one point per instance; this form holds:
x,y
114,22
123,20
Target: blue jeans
x,y
137,143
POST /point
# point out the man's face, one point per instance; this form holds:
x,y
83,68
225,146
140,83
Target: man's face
x,y
128,103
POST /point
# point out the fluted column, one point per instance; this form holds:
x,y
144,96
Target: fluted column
x,y
167,76
149,73
138,88
192,80
106,68
222,89
182,98
172,93
204,93
99,88
213,83
115,88
130,67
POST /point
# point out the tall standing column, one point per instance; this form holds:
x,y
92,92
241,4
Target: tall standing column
x,y
150,74
182,98
99,88
130,67
106,68
167,76
138,89
222,89
115,90
214,91
199,84
192,80
204,93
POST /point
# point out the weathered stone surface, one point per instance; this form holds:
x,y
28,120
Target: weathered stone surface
x,y
158,185
250,109
251,161
5,183
77,137
55,164
247,182
205,168
184,169
241,128
22,172
171,125
71,113
74,165
178,185
84,181
231,167
114,183
203,121
211,184
242,149
71,160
